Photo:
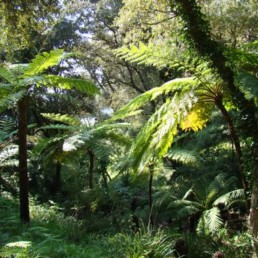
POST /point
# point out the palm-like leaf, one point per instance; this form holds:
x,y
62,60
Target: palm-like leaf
x,y
84,86
180,84
43,61
210,222
228,198
6,74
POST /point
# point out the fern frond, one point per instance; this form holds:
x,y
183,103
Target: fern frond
x,y
159,56
6,75
43,61
248,84
197,119
59,127
211,221
82,85
66,119
230,197
158,133
180,84
182,155
11,99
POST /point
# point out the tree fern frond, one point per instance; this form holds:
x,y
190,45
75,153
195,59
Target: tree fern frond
x,y
248,83
158,133
43,61
59,126
6,74
11,99
66,119
197,119
228,198
151,55
182,84
244,59
182,155
7,129
211,221
84,86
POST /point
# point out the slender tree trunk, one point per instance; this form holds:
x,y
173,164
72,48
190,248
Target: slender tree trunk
x,y
56,184
236,143
151,168
198,34
91,168
23,166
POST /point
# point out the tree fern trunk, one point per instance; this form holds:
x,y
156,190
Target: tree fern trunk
x,y
23,166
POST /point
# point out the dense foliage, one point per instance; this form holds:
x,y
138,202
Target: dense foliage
x,y
129,128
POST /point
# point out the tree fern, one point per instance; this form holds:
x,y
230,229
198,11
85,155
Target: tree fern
x,y
82,85
148,55
6,74
230,197
132,108
183,156
43,61
210,222
66,119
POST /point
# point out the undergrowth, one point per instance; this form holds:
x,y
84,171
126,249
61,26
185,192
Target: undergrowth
x,y
52,235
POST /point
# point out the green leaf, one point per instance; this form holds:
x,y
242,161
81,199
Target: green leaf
x,y
43,61
66,119
182,84
84,86
6,74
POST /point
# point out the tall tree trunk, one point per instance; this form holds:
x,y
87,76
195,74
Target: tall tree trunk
x,y
198,34
91,168
23,166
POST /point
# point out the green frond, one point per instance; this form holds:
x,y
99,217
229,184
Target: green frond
x,y
150,55
158,134
230,197
43,61
59,127
210,222
82,85
184,208
6,75
248,84
180,84
7,129
11,99
182,155
244,59
66,119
